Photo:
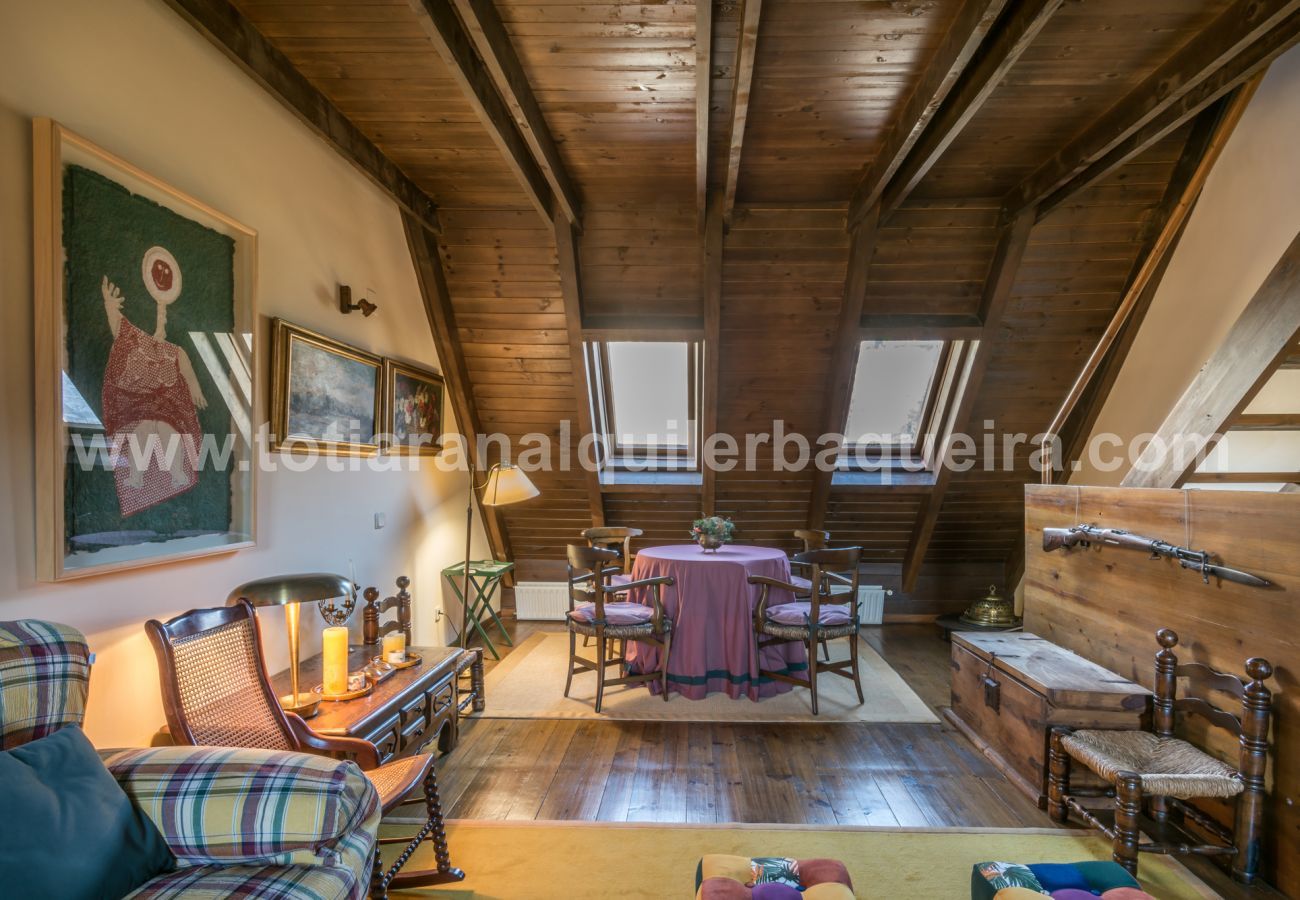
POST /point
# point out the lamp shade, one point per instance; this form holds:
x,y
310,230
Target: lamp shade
x,y
507,484
281,590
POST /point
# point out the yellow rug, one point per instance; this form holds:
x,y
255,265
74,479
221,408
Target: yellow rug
x,y
615,861
529,684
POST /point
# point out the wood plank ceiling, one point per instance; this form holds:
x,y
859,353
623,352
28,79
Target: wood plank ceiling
x,y
955,115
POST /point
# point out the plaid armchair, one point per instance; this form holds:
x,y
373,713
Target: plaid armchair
x,y
247,823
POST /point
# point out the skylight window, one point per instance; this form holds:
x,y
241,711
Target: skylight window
x,y
644,401
892,389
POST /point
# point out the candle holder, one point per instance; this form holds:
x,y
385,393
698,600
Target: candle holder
x,y
291,591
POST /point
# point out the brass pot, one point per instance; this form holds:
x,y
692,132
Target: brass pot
x,y
710,542
992,611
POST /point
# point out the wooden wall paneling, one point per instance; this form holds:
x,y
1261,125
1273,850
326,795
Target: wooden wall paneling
x,y
997,55
1012,241
959,45
1236,30
226,27
485,27
741,87
566,251
425,257
848,336
1257,342
454,45
1107,604
703,84
712,301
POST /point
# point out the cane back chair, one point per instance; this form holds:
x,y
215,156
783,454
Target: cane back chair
x,y
1169,772
826,615
216,693
592,613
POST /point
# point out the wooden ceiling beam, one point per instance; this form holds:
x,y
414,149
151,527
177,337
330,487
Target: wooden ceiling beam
x,y
1013,238
226,28
848,335
744,78
711,267
486,29
1010,37
921,327
566,251
1258,343
703,83
454,44
1239,43
423,246
968,30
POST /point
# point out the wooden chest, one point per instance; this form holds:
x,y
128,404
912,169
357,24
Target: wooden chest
x,y
1010,689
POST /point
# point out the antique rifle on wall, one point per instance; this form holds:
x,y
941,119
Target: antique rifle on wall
x,y
1200,560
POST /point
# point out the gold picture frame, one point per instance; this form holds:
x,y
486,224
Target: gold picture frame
x,y
326,396
413,397
128,268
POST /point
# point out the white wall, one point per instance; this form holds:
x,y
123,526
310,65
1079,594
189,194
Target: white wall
x,y
133,77
1247,215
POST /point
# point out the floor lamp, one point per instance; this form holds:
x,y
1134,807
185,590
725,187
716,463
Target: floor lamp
x,y
505,484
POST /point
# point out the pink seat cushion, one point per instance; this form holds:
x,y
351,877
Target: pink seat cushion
x,y
617,581
803,584
797,613
616,613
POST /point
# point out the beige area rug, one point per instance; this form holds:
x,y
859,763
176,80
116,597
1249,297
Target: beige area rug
x,y
529,684
604,861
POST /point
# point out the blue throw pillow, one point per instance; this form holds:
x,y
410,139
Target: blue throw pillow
x,y
1060,876
68,830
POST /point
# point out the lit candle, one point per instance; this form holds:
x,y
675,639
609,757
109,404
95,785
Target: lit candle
x,y
395,647
334,661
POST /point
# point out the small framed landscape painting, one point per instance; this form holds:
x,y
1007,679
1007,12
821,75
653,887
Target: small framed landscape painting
x,y
412,409
325,395
145,365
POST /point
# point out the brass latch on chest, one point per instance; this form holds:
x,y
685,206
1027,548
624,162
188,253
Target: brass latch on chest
x,y
991,687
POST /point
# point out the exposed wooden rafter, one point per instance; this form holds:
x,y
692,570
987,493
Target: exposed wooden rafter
x,y
1258,342
423,246
566,251
703,82
973,22
1239,43
456,47
1013,238
848,335
711,267
1010,37
227,28
484,25
743,82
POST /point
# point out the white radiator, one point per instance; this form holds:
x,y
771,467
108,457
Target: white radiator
x,y
541,600
871,603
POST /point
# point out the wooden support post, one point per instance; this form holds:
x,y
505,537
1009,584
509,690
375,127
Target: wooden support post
x,y
745,53
712,298
703,83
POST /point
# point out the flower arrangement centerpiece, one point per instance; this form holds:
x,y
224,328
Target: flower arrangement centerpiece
x,y
712,532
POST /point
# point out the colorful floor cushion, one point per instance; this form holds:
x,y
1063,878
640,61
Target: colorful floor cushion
x,y
1061,881
721,877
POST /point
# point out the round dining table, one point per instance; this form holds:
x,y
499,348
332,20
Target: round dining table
x,y
712,608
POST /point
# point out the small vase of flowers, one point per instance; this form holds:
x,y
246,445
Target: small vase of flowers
x,y
712,532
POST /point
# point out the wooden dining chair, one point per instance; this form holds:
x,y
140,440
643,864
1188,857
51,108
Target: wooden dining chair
x,y
813,539
593,612
613,537
824,616
216,693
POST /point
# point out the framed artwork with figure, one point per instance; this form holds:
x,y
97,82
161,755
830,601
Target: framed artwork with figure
x,y
145,366
412,409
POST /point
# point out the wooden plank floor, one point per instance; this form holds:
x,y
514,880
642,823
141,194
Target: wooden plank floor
x,y
847,774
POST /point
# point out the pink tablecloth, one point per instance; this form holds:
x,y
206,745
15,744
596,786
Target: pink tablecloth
x,y
712,606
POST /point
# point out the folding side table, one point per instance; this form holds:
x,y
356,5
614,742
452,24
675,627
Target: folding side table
x,y
484,578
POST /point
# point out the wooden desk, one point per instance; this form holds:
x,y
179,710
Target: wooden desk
x,y
409,709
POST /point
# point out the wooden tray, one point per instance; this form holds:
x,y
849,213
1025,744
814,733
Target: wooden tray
x,y
346,695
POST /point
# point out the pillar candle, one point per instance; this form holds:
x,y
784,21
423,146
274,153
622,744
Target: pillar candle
x,y
334,661
395,646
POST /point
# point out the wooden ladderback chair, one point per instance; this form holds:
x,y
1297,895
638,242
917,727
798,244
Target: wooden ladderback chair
x,y
216,693
826,615
812,538
1168,773
372,632
614,538
600,609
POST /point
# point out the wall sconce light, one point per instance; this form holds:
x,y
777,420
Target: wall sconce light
x,y
346,305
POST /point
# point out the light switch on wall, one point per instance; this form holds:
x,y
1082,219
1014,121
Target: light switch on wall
x,y
381,519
